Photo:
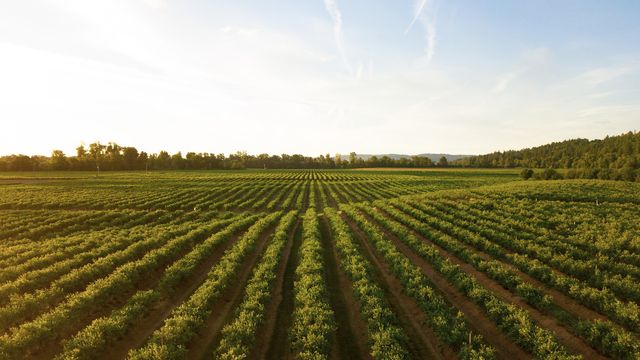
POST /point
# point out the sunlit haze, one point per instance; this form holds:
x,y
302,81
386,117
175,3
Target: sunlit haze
x,y
315,77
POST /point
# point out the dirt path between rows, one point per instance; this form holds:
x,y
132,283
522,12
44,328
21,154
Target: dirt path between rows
x,y
49,348
271,337
573,343
143,328
206,340
351,336
331,202
475,316
423,343
560,299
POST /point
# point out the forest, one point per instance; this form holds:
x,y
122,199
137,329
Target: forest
x,y
612,152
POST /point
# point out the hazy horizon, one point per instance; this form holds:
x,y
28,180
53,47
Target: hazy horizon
x,y
332,76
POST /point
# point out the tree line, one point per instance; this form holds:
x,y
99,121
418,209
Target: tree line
x,y
612,152
112,156
611,158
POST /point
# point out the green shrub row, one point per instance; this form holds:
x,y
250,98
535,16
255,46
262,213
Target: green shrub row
x,y
104,331
514,321
313,319
239,335
447,322
387,340
171,340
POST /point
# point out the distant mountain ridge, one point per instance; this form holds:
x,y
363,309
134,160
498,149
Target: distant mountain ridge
x,y
433,157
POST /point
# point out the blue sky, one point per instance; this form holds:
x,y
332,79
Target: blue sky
x,y
313,77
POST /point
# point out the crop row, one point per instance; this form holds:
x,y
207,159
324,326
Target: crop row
x,y
77,306
102,332
386,337
172,338
446,321
313,318
515,322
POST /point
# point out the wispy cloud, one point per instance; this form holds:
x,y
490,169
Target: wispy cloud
x,y
422,14
430,29
601,75
336,16
420,4
503,81
531,60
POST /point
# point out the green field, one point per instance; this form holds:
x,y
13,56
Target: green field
x,y
314,264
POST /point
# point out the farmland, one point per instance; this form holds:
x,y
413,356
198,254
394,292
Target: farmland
x,y
313,264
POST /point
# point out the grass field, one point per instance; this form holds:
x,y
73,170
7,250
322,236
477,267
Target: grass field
x,y
353,264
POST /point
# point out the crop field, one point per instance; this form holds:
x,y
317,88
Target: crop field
x,y
310,264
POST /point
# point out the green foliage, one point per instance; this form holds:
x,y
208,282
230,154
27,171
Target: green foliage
x,y
313,319
613,152
187,319
85,261
238,335
446,321
386,338
526,174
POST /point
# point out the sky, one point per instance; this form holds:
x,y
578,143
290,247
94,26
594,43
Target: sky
x,y
316,76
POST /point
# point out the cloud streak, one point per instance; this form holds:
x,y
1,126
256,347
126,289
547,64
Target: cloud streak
x,y
336,16
428,22
419,7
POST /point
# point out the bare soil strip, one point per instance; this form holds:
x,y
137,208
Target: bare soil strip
x,y
423,344
560,299
572,342
331,201
350,340
136,337
207,339
478,321
271,337
54,345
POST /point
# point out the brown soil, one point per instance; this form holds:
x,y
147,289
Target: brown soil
x,y
207,339
560,299
563,334
277,193
271,336
424,344
305,198
330,200
350,340
477,319
50,347
572,342
144,327
340,196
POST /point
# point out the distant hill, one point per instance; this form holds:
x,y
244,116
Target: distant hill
x,y
433,157
612,152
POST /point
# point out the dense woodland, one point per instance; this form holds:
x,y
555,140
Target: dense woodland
x,y
612,158
612,152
